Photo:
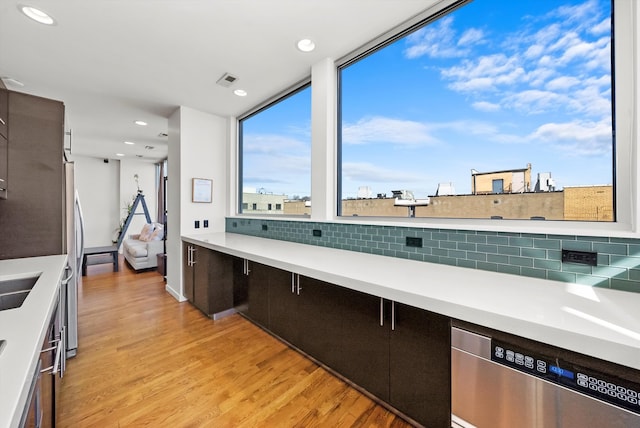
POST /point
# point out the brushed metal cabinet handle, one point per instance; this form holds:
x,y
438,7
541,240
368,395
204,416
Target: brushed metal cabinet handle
x,y
393,315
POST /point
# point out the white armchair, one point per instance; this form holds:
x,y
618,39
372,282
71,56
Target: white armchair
x,y
142,253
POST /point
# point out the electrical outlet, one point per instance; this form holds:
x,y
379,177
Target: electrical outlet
x,y
414,242
317,232
580,257
197,224
205,223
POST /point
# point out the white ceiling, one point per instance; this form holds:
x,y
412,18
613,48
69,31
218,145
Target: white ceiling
x,y
114,61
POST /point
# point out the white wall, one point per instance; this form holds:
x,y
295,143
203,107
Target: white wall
x,y
174,208
98,188
104,190
198,148
203,142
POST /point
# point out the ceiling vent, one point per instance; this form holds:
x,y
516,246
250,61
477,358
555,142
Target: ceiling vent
x,y
226,80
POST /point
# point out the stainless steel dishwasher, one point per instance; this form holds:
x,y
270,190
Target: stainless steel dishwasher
x,y
500,385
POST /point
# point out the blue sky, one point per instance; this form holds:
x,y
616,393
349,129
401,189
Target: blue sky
x,y
528,82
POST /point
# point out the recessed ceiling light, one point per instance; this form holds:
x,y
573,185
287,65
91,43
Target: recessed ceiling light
x,y
131,143
37,15
240,92
119,154
140,122
306,45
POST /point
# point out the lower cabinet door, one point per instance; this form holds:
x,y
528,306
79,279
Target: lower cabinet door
x,y
420,365
320,318
365,342
219,281
284,305
187,272
201,259
258,291
240,285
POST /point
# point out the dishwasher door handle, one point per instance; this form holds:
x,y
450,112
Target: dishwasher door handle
x,y
472,343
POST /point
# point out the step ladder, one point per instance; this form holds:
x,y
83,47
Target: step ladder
x,y
109,253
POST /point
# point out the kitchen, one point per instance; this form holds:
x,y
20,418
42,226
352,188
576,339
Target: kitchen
x,y
189,128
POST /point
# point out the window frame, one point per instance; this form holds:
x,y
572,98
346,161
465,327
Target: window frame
x,y
264,105
626,18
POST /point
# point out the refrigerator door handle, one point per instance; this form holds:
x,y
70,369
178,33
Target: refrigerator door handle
x,y
66,280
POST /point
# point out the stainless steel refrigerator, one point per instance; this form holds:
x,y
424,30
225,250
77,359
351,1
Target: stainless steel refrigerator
x,y
74,231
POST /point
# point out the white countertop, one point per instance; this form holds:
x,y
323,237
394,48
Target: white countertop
x,y
24,329
598,322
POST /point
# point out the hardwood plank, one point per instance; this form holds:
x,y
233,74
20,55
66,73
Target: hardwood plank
x,y
147,360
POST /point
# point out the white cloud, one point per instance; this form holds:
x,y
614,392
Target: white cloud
x,y
582,14
544,69
273,143
535,101
538,76
365,172
485,106
438,40
534,51
576,138
562,83
604,27
387,130
281,164
484,74
470,37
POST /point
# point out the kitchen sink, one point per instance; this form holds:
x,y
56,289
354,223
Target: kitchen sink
x,y
13,292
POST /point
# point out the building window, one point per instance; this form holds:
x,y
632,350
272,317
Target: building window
x,y
275,150
254,207
278,207
493,109
245,206
498,186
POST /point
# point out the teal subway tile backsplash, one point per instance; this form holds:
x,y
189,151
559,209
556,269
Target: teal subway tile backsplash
x,y
620,249
524,254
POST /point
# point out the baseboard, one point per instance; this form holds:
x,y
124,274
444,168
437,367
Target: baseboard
x,y
179,297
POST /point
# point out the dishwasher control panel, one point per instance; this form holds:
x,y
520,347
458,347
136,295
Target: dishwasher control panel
x,y
604,387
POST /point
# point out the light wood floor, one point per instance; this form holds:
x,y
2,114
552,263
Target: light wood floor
x,y
147,360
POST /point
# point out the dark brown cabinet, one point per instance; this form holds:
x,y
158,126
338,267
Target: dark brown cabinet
x,y
303,312
32,221
187,271
4,147
208,279
320,318
258,277
240,285
397,352
365,336
283,295
420,365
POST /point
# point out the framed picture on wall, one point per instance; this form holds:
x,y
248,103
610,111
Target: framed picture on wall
x,y
201,190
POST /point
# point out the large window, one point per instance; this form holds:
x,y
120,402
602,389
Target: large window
x,y
497,109
275,164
